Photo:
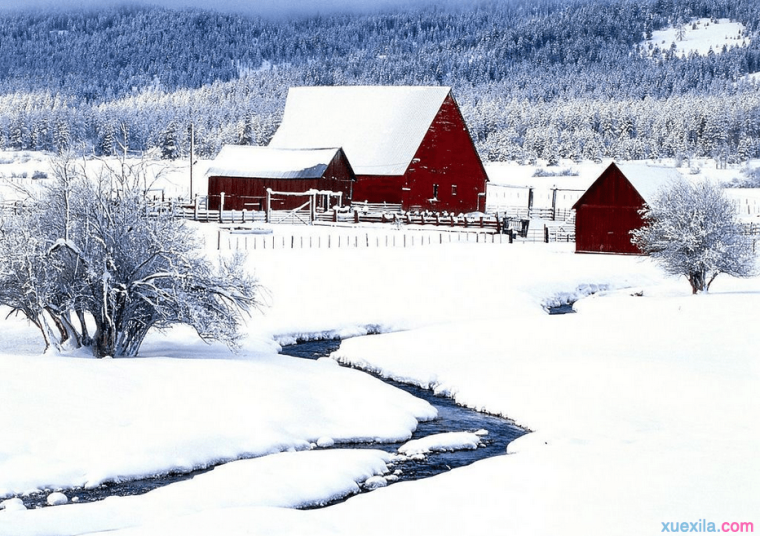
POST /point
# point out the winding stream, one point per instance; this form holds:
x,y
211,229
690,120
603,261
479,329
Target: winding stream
x,y
451,418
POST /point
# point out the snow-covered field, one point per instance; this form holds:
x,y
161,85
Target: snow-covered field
x,y
701,36
643,405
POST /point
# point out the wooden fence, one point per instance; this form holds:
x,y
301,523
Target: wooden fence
x,y
232,240
490,223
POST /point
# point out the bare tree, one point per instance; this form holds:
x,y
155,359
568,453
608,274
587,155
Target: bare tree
x,y
691,230
89,250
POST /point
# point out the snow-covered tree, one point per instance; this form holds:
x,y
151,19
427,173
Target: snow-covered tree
x,y
89,251
691,230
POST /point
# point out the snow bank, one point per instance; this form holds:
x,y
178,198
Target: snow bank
x,y
640,405
446,442
80,422
285,480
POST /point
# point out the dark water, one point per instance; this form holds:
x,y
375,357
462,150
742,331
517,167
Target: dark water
x,y
451,418
562,309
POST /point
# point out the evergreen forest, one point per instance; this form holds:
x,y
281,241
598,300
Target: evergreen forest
x,y
536,79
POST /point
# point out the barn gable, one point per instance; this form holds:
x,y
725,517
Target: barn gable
x,y
407,145
244,173
446,172
609,210
378,127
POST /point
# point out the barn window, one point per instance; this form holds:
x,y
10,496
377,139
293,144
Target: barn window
x,y
453,189
435,191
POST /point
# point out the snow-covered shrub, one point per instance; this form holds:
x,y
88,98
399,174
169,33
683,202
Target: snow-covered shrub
x,y
88,248
691,230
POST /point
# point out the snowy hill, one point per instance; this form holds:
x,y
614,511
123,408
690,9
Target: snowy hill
x,y
699,36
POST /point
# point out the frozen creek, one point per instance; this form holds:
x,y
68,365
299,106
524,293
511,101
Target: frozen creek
x,y
451,418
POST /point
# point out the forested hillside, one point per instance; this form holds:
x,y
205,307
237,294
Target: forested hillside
x,y
536,79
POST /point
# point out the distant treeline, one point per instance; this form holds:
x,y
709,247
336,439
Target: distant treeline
x,y
536,79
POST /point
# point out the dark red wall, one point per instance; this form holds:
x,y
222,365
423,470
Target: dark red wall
x,y
606,214
250,192
446,157
378,188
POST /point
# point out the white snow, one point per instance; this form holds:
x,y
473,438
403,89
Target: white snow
x,y
57,498
325,442
11,505
285,480
375,482
445,442
125,418
642,404
700,36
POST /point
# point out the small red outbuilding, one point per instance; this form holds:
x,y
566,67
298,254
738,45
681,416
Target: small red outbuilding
x,y
244,173
407,145
609,210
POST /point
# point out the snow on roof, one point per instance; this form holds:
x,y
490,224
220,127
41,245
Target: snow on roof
x,y
648,179
379,128
271,163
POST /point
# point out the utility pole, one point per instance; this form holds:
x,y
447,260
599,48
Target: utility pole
x,y
192,156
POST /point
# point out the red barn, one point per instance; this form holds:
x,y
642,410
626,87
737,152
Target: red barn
x,y
244,173
407,145
609,210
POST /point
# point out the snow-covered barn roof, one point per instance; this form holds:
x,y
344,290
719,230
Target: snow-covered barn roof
x,y
645,179
648,179
379,128
271,163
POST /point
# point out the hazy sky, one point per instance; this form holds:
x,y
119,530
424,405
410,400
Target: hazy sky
x,y
262,7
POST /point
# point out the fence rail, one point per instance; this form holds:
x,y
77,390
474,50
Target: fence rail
x,y
247,242
533,213
376,207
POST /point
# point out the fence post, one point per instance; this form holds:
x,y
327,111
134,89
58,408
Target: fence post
x,y
221,206
546,234
219,239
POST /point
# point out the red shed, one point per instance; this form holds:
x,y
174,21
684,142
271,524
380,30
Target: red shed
x,y
609,210
244,173
407,145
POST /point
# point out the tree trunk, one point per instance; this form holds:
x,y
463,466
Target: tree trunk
x,y
104,341
86,339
